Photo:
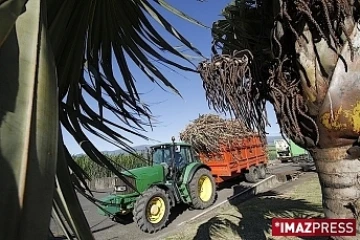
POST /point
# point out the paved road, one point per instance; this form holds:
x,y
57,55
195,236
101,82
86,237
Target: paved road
x,y
105,229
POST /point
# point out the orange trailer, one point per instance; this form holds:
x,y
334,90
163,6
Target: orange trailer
x,y
245,155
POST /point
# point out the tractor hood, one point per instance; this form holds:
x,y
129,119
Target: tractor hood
x,y
122,200
145,172
144,177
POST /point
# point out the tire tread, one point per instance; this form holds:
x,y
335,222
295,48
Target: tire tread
x,y
140,210
196,202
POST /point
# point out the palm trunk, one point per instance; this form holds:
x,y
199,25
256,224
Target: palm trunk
x,y
340,183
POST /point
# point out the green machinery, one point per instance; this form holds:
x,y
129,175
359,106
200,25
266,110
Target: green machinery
x,y
286,151
173,176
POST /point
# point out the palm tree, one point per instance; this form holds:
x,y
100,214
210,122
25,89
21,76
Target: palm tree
x,y
52,54
303,57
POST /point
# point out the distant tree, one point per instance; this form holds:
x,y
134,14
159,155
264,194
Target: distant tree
x,y
120,161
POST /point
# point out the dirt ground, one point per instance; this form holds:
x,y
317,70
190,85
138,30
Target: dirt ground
x,y
251,220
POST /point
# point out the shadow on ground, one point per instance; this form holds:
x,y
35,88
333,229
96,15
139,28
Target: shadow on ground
x,y
231,183
63,237
175,212
252,221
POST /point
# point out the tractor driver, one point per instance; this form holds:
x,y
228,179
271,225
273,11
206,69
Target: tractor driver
x,y
179,161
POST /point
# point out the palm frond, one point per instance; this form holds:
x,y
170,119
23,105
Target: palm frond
x,y
92,40
235,79
283,39
179,13
82,44
66,201
246,26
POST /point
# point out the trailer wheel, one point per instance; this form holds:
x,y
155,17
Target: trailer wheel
x,y
262,171
152,210
202,189
253,175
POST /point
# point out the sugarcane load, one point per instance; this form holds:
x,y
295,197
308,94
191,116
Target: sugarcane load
x,y
228,147
209,133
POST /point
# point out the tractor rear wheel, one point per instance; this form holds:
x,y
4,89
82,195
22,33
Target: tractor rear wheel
x,y
253,175
152,210
202,189
262,171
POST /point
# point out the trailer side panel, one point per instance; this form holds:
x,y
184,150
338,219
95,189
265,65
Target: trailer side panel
x,y
236,157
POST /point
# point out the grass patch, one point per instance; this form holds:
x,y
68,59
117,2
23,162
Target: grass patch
x,y
309,191
251,220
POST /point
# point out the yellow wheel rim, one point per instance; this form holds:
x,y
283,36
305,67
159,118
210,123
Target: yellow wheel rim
x,y
205,188
156,210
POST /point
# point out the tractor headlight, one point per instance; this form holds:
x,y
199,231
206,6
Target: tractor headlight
x,y
124,185
120,188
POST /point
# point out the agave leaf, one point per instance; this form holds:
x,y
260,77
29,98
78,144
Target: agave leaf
x,y
10,10
28,125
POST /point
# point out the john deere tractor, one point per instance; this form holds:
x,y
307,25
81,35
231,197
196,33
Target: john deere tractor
x,y
174,176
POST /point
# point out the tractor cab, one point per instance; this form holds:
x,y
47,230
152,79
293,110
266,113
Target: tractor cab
x,y
174,156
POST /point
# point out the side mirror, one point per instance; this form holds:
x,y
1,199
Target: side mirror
x,y
177,149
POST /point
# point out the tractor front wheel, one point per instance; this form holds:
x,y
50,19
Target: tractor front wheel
x,y
152,210
202,189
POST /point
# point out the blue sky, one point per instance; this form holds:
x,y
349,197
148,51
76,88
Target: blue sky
x,y
172,112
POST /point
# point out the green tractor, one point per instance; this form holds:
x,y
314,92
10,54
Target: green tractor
x,y
173,176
